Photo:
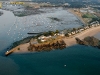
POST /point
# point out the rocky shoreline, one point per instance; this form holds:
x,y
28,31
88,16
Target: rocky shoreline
x,y
89,41
59,44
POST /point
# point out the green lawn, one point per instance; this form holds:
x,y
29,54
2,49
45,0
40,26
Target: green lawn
x,y
88,15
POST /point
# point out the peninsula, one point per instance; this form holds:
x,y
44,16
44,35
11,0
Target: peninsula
x,y
52,40
55,41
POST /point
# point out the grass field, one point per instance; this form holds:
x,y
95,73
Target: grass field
x,y
88,15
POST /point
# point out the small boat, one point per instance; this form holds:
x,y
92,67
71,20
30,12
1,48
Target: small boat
x,y
32,33
64,65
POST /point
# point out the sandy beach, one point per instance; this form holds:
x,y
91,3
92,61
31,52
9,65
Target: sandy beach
x,y
82,35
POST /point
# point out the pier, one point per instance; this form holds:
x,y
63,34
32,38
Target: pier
x,y
9,52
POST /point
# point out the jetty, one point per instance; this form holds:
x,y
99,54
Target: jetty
x,y
9,52
22,48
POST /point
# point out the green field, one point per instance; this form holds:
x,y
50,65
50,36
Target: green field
x,y
88,15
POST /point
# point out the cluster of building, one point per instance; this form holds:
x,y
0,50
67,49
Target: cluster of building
x,y
20,3
93,24
8,5
3,3
31,4
43,38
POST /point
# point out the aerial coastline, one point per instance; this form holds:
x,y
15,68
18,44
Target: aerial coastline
x,y
50,37
66,39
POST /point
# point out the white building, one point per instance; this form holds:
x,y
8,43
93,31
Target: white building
x,y
73,33
69,34
42,37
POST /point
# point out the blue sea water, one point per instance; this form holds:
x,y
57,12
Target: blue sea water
x,y
79,60
74,60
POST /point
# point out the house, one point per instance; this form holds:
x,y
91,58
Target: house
x,y
42,37
93,25
80,30
73,33
96,25
58,34
69,34
62,35
55,34
48,36
76,31
87,27
43,40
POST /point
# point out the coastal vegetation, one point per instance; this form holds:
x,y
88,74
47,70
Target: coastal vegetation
x,y
20,15
18,48
27,11
88,15
50,33
95,19
27,39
